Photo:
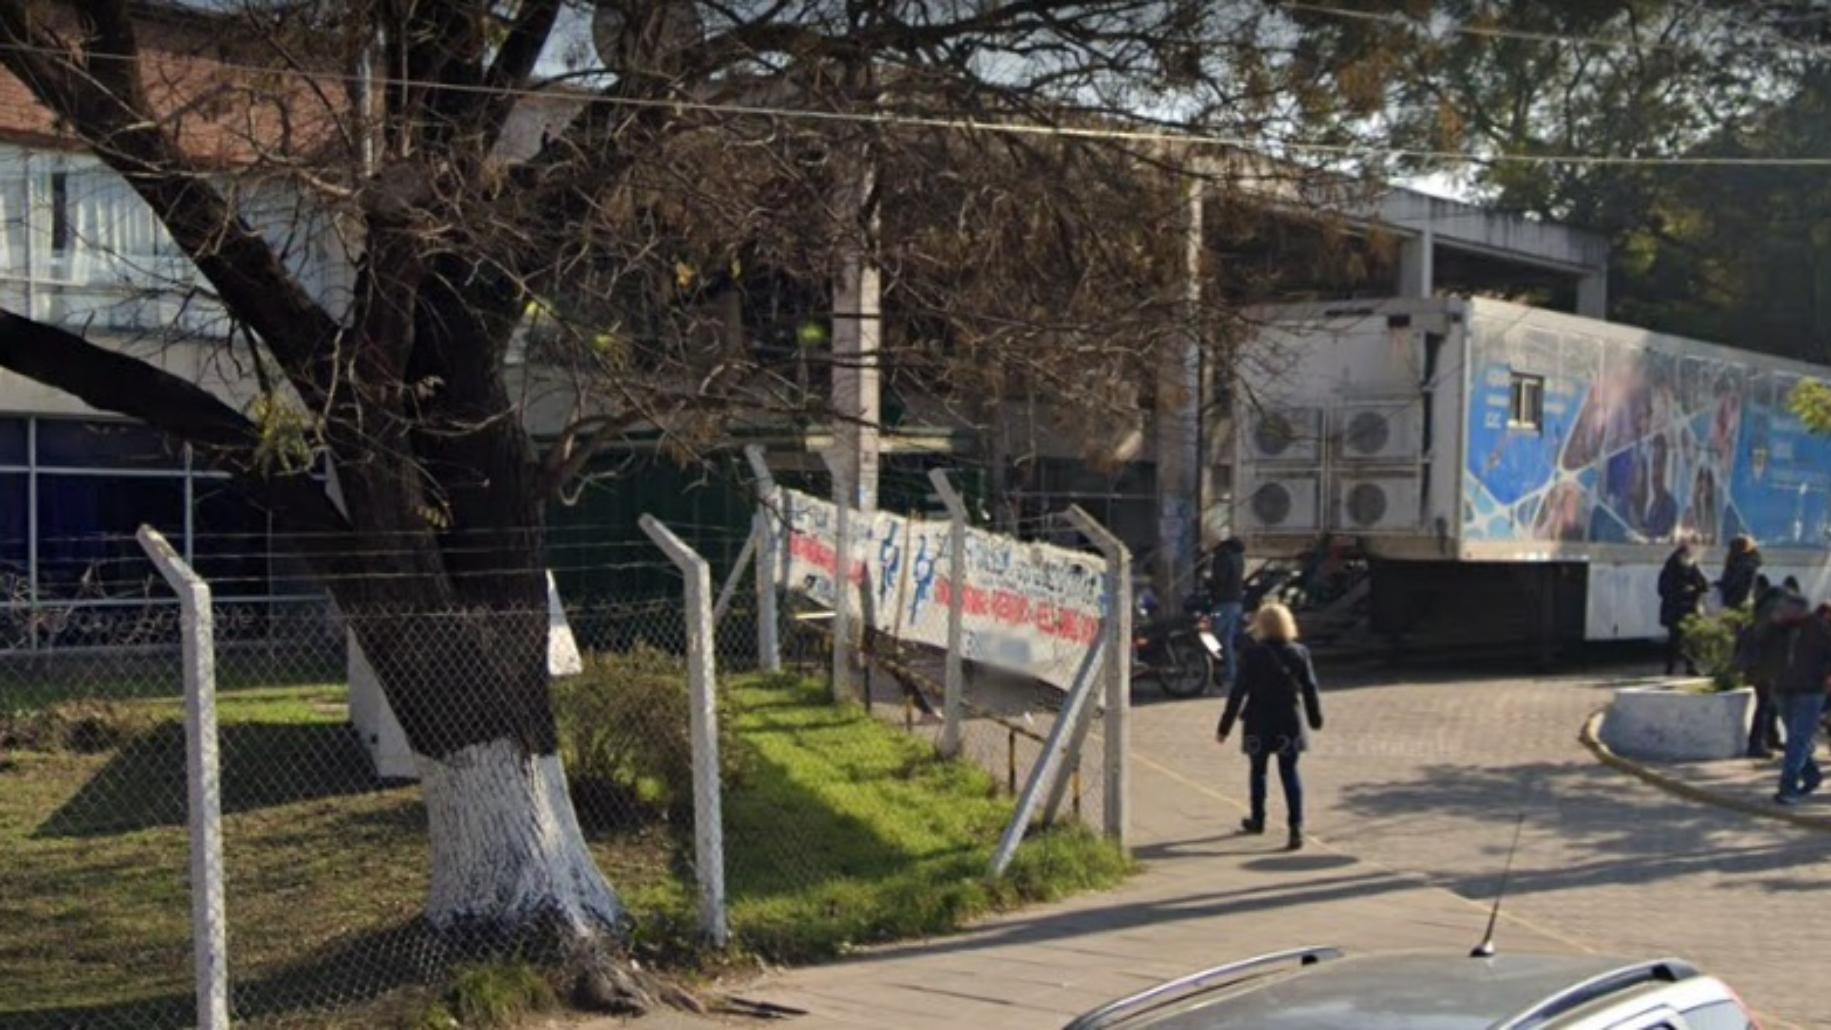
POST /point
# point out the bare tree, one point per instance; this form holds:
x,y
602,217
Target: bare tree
x,y
695,167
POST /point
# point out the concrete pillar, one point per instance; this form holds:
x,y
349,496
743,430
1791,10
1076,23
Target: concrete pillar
x,y
857,325
1417,264
1592,294
1178,425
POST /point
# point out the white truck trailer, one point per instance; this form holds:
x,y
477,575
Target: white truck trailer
x,y
1516,473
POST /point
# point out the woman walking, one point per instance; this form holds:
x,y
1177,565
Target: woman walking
x,y
1274,696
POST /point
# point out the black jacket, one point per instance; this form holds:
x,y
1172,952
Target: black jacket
x,y
1228,575
1682,587
1796,650
1273,699
1738,580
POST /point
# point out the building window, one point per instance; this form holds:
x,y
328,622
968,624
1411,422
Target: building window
x,y
72,494
61,235
78,246
1526,410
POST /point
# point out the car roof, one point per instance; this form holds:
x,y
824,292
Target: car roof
x,y
1403,991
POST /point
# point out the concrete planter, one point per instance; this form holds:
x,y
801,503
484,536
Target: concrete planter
x,y
1665,724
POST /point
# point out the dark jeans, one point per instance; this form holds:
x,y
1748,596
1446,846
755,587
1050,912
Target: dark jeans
x,y
1764,729
1675,652
1799,773
1227,629
1287,775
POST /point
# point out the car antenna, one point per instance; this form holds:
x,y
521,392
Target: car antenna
x,y
1486,948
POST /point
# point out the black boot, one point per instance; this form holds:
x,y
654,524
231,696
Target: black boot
x,y
1296,841
1251,825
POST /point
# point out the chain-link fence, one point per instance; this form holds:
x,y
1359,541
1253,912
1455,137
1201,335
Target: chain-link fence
x,y
839,821
1007,720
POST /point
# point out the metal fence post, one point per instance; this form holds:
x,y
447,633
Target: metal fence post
x,y
744,554
1048,765
843,492
1071,770
954,692
769,515
708,821
1118,727
209,929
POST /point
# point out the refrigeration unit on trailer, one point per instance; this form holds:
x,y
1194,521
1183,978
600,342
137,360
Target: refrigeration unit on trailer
x,y
1516,473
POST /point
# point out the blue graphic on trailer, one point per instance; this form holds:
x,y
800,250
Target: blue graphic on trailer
x,y
1782,480
1629,450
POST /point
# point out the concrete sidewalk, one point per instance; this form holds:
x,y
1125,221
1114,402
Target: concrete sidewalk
x,y
1416,786
1207,895
1737,784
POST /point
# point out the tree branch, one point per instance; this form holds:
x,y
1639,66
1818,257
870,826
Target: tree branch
x,y
110,381
514,62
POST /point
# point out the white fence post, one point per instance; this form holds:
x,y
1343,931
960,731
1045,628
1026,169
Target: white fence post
x,y
708,821
1070,765
769,499
729,590
1118,728
1043,773
953,696
843,496
209,929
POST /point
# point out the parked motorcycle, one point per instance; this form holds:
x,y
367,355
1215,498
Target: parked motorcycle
x,y
1168,648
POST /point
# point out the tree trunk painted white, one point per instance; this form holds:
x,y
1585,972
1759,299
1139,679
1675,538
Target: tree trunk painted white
x,y
506,844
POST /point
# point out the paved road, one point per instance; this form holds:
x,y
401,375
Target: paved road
x,y
1431,777
1415,788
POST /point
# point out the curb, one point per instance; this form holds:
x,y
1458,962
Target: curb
x,y
1590,738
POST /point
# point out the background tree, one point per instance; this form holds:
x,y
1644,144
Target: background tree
x,y
607,244
1732,253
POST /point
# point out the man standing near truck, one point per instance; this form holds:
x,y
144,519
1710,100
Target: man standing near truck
x,y
1800,641
1227,577
1682,587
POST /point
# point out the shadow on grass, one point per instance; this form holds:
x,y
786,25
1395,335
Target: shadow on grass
x,y
263,764
47,679
354,971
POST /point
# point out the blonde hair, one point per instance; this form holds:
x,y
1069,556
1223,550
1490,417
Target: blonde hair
x,y
1275,624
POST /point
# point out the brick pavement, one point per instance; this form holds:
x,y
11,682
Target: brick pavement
x,y
1414,789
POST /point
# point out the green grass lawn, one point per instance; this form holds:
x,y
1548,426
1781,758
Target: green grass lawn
x,y
839,831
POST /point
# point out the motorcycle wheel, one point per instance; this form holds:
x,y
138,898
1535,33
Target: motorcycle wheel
x,y
1190,671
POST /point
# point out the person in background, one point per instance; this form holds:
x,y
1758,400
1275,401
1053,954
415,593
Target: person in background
x,y
1801,639
1682,587
1227,582
1275,698
1759,666
1740,568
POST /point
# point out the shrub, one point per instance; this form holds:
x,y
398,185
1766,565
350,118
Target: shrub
x,y
1711,641
624,732
86,727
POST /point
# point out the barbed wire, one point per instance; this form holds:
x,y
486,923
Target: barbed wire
x,y
734,529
